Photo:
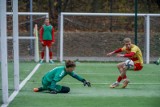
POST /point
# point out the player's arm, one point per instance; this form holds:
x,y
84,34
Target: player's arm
x,y
41,35
74,75
116,51
131,54
53,38
128,55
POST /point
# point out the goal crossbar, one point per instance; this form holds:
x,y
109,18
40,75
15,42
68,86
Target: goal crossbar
x,y
107,14
29,13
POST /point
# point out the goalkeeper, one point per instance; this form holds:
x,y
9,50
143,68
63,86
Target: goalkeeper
x,y
49,80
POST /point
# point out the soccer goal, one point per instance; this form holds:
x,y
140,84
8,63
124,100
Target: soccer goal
x,y
89,36
19,50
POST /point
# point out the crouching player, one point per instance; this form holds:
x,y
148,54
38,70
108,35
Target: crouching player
x,y
49,80
133,53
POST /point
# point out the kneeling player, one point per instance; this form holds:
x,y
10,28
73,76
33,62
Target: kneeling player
x,y
49,81
133,53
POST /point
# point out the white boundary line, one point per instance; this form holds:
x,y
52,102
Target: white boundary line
x,y
14,94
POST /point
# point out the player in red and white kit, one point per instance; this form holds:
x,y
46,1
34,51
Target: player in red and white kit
x,y
133,53
47,39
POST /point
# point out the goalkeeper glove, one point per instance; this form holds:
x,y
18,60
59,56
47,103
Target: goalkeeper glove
x,y
87,83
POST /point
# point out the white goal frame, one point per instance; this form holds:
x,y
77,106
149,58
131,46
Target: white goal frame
x,y
4,64
147,28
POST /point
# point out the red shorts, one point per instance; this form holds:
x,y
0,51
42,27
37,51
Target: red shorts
x,y
47,43
137,66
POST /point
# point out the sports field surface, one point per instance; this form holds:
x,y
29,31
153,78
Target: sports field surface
x,y
143,90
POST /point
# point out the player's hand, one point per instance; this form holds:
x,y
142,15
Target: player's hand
x,y
109,54
120,55
86,83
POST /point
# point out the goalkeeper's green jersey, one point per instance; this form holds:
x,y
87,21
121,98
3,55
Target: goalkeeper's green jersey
x,y
58,73
55,75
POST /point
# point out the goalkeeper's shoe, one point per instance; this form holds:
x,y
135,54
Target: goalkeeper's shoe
x,y
51,61
156,62
125,83
35,89
38,89
115,84
41,61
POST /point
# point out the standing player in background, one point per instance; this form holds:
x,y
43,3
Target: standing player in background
x,y
157,62
47,39
133,53
50,79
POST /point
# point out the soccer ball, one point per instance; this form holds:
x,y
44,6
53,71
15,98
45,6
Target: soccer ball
x,y
129,64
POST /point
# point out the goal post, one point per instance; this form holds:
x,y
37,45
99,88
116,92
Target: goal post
x,y
4,64
71,18
10,49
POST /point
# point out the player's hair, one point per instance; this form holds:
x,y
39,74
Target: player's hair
x,y
70,63
126,40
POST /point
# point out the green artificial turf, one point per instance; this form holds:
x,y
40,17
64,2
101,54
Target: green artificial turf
x,y
143,90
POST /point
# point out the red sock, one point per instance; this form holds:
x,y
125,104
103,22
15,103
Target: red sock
x,y
50,55
124,77
42,55
119,79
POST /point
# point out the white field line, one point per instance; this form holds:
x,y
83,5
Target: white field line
x,y
14,94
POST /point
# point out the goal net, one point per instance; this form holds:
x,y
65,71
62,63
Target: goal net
x,y
89,36
26,36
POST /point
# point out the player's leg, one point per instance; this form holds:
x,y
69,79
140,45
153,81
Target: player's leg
x,y
59,89
42,53
64,89
122,69
45,85
40,89
50,55
49,45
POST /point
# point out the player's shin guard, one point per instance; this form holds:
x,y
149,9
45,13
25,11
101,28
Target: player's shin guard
x,y
119,79
65,89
